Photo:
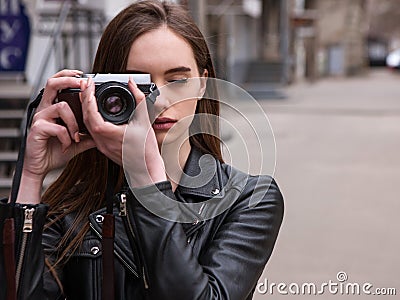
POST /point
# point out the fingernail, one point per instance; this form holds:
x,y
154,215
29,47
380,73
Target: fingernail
x,y
76,136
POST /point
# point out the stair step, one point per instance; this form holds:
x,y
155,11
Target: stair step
x,y
8,156
264,72
5,183
11,133
11,114
263,91
14,90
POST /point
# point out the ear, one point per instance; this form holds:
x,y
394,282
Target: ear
x,y
203,83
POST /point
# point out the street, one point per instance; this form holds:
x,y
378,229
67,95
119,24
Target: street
x,y
338,166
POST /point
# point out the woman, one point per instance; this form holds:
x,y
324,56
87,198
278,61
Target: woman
x,y
154,257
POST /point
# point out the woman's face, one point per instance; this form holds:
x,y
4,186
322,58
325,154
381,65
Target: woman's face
x,y
170,61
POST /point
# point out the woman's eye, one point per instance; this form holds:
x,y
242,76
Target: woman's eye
x,y
182,80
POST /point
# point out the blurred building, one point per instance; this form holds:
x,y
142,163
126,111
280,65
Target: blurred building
x,y
250,42
253,41
261,45
328,37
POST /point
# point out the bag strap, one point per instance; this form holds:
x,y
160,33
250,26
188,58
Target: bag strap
x,y
108,234
9,258
9,224
20,161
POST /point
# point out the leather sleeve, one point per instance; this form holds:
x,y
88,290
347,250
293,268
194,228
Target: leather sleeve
x,y
29,253
232,259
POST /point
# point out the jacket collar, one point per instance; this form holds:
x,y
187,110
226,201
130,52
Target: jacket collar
x,y
201,176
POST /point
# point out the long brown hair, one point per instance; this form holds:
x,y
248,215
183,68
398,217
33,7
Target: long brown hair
x,y
81,186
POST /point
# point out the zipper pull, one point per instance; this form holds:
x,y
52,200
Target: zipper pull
x,y
122,205
28,221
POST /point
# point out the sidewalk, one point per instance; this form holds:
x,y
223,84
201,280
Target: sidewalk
x,y
338,165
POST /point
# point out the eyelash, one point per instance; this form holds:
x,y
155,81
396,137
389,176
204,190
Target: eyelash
x,y
183,80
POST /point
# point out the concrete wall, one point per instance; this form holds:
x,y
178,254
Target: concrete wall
x,y
243,42
342,32
234,39
335,38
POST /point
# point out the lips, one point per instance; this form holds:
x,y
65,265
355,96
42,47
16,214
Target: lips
x,y
163,123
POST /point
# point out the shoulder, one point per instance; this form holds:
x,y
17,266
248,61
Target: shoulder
x,y
256,192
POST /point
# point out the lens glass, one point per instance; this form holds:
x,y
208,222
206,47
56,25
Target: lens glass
x,y
113,105
115,102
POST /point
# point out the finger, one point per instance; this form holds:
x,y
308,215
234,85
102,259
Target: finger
x,y
141,113
137,93
43,130
60,110
55,84
90,112
66,72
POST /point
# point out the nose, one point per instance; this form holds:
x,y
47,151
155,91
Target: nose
x,y
161,102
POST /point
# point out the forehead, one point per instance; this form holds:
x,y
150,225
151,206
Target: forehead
x,y
162,48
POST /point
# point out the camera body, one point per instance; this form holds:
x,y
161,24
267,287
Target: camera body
x,y
115,101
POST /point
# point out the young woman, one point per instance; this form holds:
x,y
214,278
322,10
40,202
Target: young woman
x,y
59,254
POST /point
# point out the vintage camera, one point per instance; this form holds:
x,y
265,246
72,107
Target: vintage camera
x,y
115,101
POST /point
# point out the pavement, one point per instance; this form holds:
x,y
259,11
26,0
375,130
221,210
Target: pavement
x,y
338,166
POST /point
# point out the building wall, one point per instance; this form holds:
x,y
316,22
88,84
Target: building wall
x,y
333,40
384,21
342,33
234,39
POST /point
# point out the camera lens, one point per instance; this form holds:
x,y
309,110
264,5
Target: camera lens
x,y
113,105
115,102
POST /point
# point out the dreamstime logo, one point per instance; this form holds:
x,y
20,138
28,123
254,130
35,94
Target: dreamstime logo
x,y
246,136
341,276
340,286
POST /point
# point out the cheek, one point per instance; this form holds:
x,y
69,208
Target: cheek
x,y
185,109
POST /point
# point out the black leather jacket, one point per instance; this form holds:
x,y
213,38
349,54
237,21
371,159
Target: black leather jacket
x,y
218,258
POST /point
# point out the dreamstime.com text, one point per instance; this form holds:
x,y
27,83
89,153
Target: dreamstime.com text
x,y
340,286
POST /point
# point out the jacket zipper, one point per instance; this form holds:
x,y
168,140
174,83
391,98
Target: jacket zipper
x,y
26,229
123,213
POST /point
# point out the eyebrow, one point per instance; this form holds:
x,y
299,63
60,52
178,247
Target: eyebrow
x,y
177,70
170,71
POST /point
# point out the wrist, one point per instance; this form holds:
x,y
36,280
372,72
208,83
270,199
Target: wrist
x,y
30,188
146,172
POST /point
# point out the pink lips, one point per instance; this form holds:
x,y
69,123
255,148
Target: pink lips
x,y
163,123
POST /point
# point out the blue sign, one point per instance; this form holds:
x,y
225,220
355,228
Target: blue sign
x,y
14,36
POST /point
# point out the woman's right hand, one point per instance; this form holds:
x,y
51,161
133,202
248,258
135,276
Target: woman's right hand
x,y
51,145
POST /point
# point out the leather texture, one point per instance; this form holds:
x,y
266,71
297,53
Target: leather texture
x,y
155,258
